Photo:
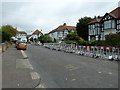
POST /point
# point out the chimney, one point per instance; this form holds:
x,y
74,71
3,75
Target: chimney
x,y
64,24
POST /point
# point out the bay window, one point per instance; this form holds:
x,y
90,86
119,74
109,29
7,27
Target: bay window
x,y
109,24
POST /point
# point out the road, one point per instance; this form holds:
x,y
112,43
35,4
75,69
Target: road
x,y
64,70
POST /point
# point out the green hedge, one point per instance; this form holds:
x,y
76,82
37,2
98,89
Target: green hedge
x,y
111,40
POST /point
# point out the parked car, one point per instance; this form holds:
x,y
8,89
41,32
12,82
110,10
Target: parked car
x,y
21,45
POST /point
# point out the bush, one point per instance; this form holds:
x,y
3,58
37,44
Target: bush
x,y
69,42
113,40
45,39
82,42
97,43
72,36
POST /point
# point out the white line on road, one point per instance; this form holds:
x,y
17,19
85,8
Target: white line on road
x,y
24,54
40,86
23,63
34,75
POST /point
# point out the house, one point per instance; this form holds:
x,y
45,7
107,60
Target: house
x,y
36,34
61,31
100,27
21,35
94,28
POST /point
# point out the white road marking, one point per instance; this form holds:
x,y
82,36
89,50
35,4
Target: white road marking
x,y
23,63
73,79
71,67
18,85
66,79
24,54
34,75
40,86
109,72
99,72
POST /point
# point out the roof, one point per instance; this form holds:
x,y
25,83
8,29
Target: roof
x,y
29,35
21,32
95,20
115,13
62,28
36,32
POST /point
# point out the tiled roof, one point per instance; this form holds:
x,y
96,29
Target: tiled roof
x,y
36,32
21,32
115,13
62,28
29,35
95,20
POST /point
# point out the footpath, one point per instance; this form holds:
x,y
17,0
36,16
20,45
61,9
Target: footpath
x,y
17,72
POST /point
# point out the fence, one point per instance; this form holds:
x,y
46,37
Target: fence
x,y
102,52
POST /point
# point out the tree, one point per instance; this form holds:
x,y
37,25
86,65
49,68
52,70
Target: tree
x,y
45,38
72,36
82,27
7,32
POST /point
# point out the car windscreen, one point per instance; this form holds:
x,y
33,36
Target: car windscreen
x,y
21,43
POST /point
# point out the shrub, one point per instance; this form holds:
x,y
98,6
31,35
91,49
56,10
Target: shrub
x,y
69,42
113,40
45,38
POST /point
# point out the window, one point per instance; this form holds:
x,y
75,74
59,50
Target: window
x,y
118,21
113,23
118,26
109,24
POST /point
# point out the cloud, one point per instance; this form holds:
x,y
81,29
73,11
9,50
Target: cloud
x,y
48,14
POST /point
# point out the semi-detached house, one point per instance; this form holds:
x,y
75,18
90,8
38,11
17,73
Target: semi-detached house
x,y
100,27
61,31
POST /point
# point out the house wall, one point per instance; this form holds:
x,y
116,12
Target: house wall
x,y
118,26
22,37
107,32
36,36
53,35
59,35
94,31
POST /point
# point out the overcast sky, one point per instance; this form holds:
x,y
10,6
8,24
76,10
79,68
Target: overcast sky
x,y
49,14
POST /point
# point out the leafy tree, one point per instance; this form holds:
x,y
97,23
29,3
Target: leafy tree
x,y
97,17
7,32
113,40
82,27
72,36
45,38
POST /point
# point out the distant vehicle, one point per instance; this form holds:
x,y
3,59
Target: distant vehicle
x,y
21,45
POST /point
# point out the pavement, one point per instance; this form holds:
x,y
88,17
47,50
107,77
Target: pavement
x,y
17,72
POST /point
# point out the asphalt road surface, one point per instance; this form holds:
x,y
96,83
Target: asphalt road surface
x,y
65,70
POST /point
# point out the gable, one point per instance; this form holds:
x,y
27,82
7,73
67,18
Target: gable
x,y
107,17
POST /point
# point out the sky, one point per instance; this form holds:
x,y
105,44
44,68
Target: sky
x,y
47,15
